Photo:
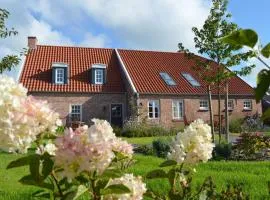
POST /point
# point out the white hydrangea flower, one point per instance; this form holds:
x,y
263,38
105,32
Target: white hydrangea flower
x,y
88,149
136,186
22,117
50,148
193,145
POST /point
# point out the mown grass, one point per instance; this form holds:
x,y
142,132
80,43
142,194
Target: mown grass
x,y
254,176
143,140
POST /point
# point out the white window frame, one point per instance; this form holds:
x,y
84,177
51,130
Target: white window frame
x,y
177,103
101,76
205,108
57,70
70,110
155,103
247,107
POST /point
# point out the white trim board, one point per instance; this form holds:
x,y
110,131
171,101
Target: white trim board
x,y
125,71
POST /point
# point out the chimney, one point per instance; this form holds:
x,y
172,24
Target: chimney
x,y
32,42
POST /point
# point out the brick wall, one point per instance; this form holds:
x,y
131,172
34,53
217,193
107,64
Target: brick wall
x,y
93,105
191,108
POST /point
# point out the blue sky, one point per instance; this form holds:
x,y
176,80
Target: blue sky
x,y
134,24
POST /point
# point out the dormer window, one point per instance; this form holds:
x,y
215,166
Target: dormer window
x,y
98,74
59,76
59,73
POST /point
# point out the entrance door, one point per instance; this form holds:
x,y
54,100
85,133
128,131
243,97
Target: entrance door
x,y
116,115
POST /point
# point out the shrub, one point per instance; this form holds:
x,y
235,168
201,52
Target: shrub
x,y
222,151
135,129
235,125
161,147
251,146
145,149
117,130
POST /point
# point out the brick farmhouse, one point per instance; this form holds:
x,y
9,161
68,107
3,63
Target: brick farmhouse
x,y
116,85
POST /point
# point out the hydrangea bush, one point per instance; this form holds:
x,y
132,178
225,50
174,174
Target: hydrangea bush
x,y
65,165
190,147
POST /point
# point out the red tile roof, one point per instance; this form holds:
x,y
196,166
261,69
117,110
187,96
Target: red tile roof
x,y
37,72
144,68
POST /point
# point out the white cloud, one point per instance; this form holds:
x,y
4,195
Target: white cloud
x,y
149,24
142,24
91,40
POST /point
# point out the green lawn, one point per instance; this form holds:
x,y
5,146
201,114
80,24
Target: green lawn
x,y
143,140
253,174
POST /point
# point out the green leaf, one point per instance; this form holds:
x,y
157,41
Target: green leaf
x,y
266,51
242,37
263,82
157,173
20,162
47,165
76,194
266,114
41,194
115,189
168,163
28,180
112,173
34,167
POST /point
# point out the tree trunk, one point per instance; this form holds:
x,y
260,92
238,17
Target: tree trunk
x,y
219,115
226,112
211,112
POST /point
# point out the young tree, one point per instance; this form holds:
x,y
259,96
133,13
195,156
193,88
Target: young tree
x,y
9,61
207,42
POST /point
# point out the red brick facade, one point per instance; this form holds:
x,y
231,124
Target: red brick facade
x,y
93,105
191,108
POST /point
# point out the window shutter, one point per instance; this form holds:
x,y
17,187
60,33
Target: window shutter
x,y
93,75
53,75
65,75
104,76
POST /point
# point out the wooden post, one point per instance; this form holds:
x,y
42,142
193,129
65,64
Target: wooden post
x,y
226,111
211,112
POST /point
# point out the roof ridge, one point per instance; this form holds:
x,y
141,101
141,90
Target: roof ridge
x,y
69,46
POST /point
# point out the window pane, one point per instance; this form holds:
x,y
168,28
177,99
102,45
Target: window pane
x,y
166,77
191,79
59,76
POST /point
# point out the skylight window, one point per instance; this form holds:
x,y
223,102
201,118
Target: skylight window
x,y
191,80
166,77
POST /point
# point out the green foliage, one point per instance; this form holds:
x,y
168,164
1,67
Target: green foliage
x,y
9,61
207,41
235,125
146,130
145,149
242,37
251,146
115,189
117,130
162,147
263,83
249,38
168,163
222,151
266,51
